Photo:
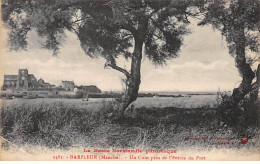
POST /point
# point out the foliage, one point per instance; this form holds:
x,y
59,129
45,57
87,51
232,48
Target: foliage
x,y
243,115
238,21
105,28
235,17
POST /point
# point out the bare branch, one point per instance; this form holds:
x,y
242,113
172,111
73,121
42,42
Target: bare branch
x,y
114,66
128,35
81,19
75,30
128,27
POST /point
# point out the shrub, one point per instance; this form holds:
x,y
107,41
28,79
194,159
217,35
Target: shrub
x,y
245,114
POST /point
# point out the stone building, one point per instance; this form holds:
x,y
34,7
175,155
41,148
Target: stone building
x,y
23,81
41,82
10,81
23,78
68,85
26,80
44,86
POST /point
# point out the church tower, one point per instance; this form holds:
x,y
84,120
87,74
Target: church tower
x,y
22,81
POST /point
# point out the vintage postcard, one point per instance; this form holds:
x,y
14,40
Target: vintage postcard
x,y
129,80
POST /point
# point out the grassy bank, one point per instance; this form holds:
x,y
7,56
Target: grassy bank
x,y
61,126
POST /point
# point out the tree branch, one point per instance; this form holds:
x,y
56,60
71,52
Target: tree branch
x,y
114,66
127,27
81,19
74,30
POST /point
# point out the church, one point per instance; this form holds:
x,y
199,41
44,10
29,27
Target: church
x,y
22,81
28,82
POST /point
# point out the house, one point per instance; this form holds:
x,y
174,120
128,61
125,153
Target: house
x,y
45,86
68,85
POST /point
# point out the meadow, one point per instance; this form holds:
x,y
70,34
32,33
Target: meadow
x,y
156,122
148,102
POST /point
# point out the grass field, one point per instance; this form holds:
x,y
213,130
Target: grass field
x,y
158,123
195,101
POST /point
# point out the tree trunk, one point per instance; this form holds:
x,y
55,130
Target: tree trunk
x,y
255,86
243,68
133,82
246,86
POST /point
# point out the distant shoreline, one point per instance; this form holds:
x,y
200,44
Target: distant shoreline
x,y
117,95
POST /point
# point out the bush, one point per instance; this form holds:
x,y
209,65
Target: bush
x,y
245,114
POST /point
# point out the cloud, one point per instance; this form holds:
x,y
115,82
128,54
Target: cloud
x,y
192,76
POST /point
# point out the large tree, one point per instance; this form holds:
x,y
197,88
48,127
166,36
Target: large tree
x,y
107,28
239,22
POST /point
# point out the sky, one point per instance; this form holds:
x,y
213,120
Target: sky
x,y
203,65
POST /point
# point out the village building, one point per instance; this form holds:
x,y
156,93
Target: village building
x,y
68,85
28,82
45,86
23,81
41,82
10,81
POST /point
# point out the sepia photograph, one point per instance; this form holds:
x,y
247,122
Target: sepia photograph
x,y
130,80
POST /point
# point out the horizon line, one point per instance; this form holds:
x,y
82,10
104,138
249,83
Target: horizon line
x,y
169,91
